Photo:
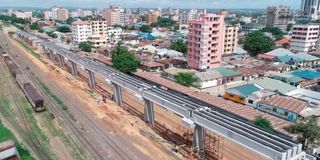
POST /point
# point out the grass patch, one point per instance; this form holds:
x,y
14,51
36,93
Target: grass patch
x,y
54,97
6,134
90,91
29,49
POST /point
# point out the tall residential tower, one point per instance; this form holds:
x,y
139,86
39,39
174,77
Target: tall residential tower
x,y
205,41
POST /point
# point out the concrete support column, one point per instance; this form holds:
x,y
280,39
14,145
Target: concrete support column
x,y
149,112
74,70
51,55
117,95
92,80
198,140
61,61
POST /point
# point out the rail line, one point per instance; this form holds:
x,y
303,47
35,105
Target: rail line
x,y
24,128
73,127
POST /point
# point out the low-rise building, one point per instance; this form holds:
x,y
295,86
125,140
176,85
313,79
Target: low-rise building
x,y
252,27
273,85
208,79
228,75
284,107
286,78
240,93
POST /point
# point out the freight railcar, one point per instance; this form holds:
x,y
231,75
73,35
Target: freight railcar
x,y
31,93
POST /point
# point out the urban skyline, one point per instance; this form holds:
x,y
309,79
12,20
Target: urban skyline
x,y
206,4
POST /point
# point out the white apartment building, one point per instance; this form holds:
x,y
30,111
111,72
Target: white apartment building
x,y
230,39
48,15
185,17
304,37
114,34
99,34
81,30
23,15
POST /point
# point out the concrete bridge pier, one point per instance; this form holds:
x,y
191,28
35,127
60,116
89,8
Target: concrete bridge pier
x,y
61,61
117,95
51,55
74,69
92,80
198,140
149,112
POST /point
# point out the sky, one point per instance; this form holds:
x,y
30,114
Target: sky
x,y
214,4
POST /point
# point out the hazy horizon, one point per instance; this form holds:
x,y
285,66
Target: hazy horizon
x,y
207,4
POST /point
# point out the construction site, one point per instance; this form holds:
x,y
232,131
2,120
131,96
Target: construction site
x,y
113,122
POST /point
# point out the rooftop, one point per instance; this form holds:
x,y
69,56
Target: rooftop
x,y
244,90
81,23
287,103
225,72
208,76
307,74
280,52
273,85
267,56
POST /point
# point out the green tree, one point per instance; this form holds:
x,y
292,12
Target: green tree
x,y
186,79
286,45
34,26
123,60
276,32
145,28
179,46
70,20
257,43
165,22
64,29
85,46
263,123
51,34
309,131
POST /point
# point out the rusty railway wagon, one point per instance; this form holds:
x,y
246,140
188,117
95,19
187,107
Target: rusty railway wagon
x,y
31,93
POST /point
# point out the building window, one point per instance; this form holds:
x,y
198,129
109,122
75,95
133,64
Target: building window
x,y
274,109
250,101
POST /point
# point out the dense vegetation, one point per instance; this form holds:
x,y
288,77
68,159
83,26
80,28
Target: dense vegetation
x,y
263,123
164,22
123,60
85,46
64,29
187,79
13,19
34,26
6,134
309,131
276,32
145,28
51,34
257,43
179,46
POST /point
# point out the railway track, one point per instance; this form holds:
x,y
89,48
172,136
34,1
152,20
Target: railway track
x,y
24,127
71,123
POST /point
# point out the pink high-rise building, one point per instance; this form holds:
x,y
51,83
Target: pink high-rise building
x,y
205,42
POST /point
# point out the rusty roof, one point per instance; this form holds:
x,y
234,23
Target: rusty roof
x,y
287,103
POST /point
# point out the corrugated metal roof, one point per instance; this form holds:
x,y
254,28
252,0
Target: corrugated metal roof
x,y
280,52
208,76
287,103
244,90
274,85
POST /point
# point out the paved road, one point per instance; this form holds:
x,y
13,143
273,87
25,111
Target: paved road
x,y
109,145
